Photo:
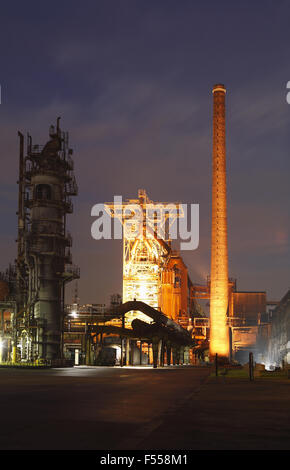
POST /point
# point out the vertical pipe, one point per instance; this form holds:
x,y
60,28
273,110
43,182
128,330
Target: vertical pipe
x,y
21,220
140,352
219,334
2,321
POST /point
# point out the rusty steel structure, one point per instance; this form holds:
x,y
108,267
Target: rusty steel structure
x,y
219,295
44,261
149,264
159,314
163,336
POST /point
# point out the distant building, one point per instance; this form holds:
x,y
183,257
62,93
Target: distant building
x,y
250,327
279,341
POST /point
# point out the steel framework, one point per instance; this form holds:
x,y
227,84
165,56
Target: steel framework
x,y
146,247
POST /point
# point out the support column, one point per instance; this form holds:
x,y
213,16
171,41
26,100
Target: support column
x,y
178,356
88,350
2,320
2,335
181,355
168,353
14,343
122,352
174,355
159,352
140,352
186,355
155,343
162,354
127,352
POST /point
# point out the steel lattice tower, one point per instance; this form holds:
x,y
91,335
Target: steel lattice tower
x,y
145,252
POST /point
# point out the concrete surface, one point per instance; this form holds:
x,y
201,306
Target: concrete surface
x,y
140,408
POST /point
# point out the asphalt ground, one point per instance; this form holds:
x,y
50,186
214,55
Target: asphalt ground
x,y
85,408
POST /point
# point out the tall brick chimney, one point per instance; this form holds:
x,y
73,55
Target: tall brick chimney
x,y
219,297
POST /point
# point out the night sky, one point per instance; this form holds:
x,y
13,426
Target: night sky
x,y
132,82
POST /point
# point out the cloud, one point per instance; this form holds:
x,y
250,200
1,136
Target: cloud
x,y
133,87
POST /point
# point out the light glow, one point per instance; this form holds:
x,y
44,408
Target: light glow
x,y
144,255
219,289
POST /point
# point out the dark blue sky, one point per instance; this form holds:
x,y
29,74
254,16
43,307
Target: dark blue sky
x,y
132,81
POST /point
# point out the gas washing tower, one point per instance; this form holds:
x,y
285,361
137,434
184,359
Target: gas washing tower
x,y
44,264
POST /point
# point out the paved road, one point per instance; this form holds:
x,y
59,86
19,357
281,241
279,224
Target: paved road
x,y
229,414
130,408
90,408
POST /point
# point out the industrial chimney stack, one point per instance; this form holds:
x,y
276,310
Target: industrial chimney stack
x,y
219,331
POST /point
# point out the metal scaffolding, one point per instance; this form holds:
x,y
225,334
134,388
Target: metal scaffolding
x,y
146,247
44,261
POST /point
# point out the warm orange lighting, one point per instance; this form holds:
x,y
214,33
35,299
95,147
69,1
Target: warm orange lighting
x,y
144,256
219,297
219,88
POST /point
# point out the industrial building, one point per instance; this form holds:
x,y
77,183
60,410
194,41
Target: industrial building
x,y
44,262
159,318
154,318
277,352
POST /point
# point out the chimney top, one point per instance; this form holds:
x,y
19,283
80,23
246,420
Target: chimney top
x,y
219,87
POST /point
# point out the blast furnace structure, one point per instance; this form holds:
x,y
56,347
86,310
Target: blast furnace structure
x,y
153,273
